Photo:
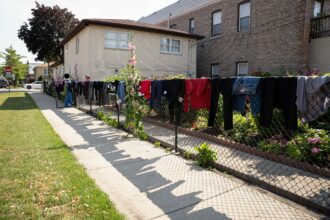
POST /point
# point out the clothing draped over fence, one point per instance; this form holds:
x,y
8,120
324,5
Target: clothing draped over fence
x,y
304,97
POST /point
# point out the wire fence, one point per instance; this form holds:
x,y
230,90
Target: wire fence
x,y
293,163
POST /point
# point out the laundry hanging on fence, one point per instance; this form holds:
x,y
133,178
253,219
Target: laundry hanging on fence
x,y
86,89
225,87
197,94
79,88
313,97
68,93
109,88
279,93
175,96
145,88
59,86
121,92
244,87
158,91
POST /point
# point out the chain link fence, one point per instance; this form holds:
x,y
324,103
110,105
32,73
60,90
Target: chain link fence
x,y
293,163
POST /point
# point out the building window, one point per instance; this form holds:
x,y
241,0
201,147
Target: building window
x,y
215,70
242,68
116,40
192,25
173,26
317,8
244,16
216,23
171,46
45,71
77,45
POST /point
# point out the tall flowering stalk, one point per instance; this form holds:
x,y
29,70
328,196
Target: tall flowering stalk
x,y
135,103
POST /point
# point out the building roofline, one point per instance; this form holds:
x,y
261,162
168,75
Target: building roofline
x,y
179,14
127,24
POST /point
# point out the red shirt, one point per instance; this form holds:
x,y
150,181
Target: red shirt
x,y
145,88
198,94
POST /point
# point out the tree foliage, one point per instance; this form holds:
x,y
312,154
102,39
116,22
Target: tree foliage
x,y
45,30
13,60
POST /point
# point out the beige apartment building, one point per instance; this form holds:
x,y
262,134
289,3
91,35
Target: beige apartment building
x,y
40,71
99,48
247,36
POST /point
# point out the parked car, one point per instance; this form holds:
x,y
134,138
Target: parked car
x,y
34,85
3,83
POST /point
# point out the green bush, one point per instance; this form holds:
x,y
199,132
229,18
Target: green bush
x,y
312,146
107,119
206,157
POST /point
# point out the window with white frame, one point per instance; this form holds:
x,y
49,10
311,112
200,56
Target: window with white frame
x,y
172,46
317,8
192,25
215,70
216,23
116,40
77,45
242,68
244,16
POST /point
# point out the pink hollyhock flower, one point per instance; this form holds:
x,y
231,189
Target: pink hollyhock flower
x,y
132,62
314,140
131,46
315,150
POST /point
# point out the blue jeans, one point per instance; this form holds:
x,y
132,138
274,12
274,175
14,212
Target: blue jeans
x,y
68,99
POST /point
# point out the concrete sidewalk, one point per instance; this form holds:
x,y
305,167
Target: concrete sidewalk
x,y
148,183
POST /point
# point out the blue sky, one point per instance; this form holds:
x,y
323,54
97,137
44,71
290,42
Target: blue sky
x,y
14,12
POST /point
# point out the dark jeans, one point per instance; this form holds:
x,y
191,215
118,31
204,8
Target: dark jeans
x,y
279,93
225,87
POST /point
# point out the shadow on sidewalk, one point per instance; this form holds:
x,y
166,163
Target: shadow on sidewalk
x,y
141,172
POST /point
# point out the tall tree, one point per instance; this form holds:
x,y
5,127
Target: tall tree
x,y
45,30
13,60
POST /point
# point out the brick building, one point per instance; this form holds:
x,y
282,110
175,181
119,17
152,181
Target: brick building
x,y
242,37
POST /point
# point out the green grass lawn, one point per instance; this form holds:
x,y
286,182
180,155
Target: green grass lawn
x,y
39,176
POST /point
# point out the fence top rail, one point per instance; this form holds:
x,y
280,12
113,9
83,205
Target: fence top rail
x,y
320,18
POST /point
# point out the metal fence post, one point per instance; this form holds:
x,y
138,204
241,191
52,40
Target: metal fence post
x,y
177,120
118,112
90,106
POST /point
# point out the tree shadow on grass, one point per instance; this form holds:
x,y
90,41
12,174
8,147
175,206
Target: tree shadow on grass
x,y
18,103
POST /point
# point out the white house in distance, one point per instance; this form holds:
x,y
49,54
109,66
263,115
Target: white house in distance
x,y
99,48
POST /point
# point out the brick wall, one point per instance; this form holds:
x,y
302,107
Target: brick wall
x,y
276,40
326,7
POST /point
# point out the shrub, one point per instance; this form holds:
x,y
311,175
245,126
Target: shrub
x,y
206,157
100,115
275,144
157,144
312,146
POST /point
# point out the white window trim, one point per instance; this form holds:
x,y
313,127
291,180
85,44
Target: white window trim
x,y
214,24
239,17
170,52
192,25
117,40
238,69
